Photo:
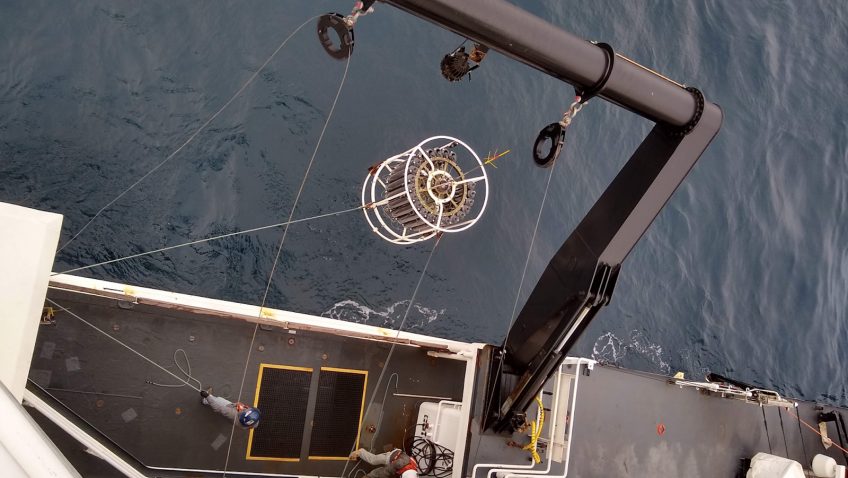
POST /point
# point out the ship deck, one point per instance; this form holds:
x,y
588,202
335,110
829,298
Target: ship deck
x,y
308,384
635,424
314,378
628,423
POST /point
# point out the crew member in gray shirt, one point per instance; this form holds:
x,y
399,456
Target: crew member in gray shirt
x,y
247,417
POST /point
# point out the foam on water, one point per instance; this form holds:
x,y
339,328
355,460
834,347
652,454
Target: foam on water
x,y
609,348
390,316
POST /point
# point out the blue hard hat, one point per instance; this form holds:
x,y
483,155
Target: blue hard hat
x,y
249,417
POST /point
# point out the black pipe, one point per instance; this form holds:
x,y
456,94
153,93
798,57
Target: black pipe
x,y
541,45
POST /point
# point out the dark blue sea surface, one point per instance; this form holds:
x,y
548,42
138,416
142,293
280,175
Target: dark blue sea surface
x,y
744,273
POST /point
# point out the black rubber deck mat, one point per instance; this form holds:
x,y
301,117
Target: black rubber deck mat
x,y
338,413
282,394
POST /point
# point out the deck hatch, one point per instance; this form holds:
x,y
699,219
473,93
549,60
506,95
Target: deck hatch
x,y
282,394
338,413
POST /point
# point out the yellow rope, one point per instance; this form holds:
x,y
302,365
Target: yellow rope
x,y
490,159
535,432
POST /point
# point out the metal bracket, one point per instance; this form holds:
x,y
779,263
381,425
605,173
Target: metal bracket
x,y
603,284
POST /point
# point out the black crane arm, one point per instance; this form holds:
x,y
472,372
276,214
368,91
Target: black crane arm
x,y
580,278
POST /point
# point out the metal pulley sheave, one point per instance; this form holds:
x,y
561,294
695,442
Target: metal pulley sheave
x,y
335,22
342,47
457,64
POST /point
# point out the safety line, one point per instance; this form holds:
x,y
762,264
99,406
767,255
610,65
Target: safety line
x,y
121,343
394,343
208,239
520,286
280,248
189,140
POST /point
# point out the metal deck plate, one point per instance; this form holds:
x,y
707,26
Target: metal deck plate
x,y
634,424
282,396
338,413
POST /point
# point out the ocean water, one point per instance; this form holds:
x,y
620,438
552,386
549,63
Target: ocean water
x,y
744,273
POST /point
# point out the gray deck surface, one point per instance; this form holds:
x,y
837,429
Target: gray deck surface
x,y
167,426
615,429
615,421
88,465
615,433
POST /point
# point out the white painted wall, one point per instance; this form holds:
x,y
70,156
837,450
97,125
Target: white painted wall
x,y
28,240
25,450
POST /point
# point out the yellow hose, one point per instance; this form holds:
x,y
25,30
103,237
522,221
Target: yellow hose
x,y
536,431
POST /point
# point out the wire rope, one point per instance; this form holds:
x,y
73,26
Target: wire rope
x,y
190,138
520,286
280,247
285,225
394,343
184,382
209,239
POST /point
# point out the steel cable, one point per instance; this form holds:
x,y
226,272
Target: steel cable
x,y
208,239
394,343
282,242
190,138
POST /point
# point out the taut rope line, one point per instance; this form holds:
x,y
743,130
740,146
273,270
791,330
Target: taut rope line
x,y
208,239
521,282
126,346
394,343
190,138
280,247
